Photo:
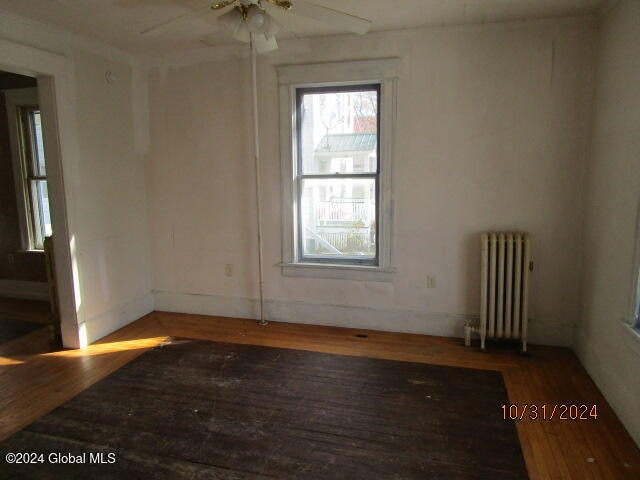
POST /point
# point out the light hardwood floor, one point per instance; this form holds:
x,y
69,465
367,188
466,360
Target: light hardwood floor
x,y
34,381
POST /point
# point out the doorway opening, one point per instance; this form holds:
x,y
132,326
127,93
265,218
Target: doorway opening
x,y
29,315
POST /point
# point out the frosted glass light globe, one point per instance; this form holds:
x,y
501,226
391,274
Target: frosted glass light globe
x,y
257,20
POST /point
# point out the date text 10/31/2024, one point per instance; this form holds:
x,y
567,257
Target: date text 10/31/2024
x,y
562,412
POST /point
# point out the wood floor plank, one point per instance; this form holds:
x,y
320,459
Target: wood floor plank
x,y
552,449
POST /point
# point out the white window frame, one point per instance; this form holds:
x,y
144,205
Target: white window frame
x,y
631,323
634,296
16,99
293,77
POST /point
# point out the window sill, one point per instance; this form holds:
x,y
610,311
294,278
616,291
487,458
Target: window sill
x,y
632,337
340,272
31,251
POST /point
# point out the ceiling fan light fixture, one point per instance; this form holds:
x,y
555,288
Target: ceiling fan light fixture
x,y
264,44
242,33
257,20
243,22
231,20
236,20
271,28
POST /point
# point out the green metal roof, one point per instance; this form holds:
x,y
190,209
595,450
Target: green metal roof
x,y
348,142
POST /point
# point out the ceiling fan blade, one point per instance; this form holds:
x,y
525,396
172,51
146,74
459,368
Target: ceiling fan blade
x,y
264,44
342,20
286,4
175,22
222,4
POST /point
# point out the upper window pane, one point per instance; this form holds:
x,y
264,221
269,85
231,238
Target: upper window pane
x,y
338,131
36,125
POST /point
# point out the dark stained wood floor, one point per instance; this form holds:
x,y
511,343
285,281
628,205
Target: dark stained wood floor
x,y
31,385
199,408
29,310
13,329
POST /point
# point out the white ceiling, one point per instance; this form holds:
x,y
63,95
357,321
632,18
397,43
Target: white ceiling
x,y
118,22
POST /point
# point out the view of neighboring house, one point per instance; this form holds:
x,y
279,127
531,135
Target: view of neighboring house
x,y
340,152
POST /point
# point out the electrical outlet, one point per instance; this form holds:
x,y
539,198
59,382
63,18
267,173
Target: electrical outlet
x,y
431,282
11,259
228,270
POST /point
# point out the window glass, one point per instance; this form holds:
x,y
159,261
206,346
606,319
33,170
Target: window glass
x,y
338,174
35,181
339,132
338,217
38,154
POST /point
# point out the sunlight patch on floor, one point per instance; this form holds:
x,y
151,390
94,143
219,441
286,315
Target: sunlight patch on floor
x,y
111,347
9,361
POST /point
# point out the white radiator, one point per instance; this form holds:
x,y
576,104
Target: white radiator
x,y
504,286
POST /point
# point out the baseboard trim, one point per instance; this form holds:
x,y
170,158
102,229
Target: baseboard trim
x,y
101,325
24,289
394,320
403,321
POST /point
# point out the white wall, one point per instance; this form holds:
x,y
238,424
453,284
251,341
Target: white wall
x,y
103,173
493,123
604,344
112,242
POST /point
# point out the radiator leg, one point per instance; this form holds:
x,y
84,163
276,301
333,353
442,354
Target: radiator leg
x,y
524,345
483,337
467,335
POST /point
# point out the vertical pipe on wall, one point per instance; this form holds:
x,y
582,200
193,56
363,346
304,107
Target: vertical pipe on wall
x,y
256,149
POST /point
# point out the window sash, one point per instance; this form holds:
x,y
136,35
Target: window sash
x,y
302,91
329,258
31,176
300,176
636,284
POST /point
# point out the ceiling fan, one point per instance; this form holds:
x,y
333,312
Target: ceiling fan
x,y
250,21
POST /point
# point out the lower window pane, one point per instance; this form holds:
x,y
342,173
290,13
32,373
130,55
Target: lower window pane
x,y
338,219
43,218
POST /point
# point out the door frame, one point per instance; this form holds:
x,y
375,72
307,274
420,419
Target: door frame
x,y
54,73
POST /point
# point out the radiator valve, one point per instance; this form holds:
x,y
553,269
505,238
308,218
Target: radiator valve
x,y
469,328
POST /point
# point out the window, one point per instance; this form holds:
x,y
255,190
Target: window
x,y
35,176
636,313
337,173
25,125
337,123
635,280
635,290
